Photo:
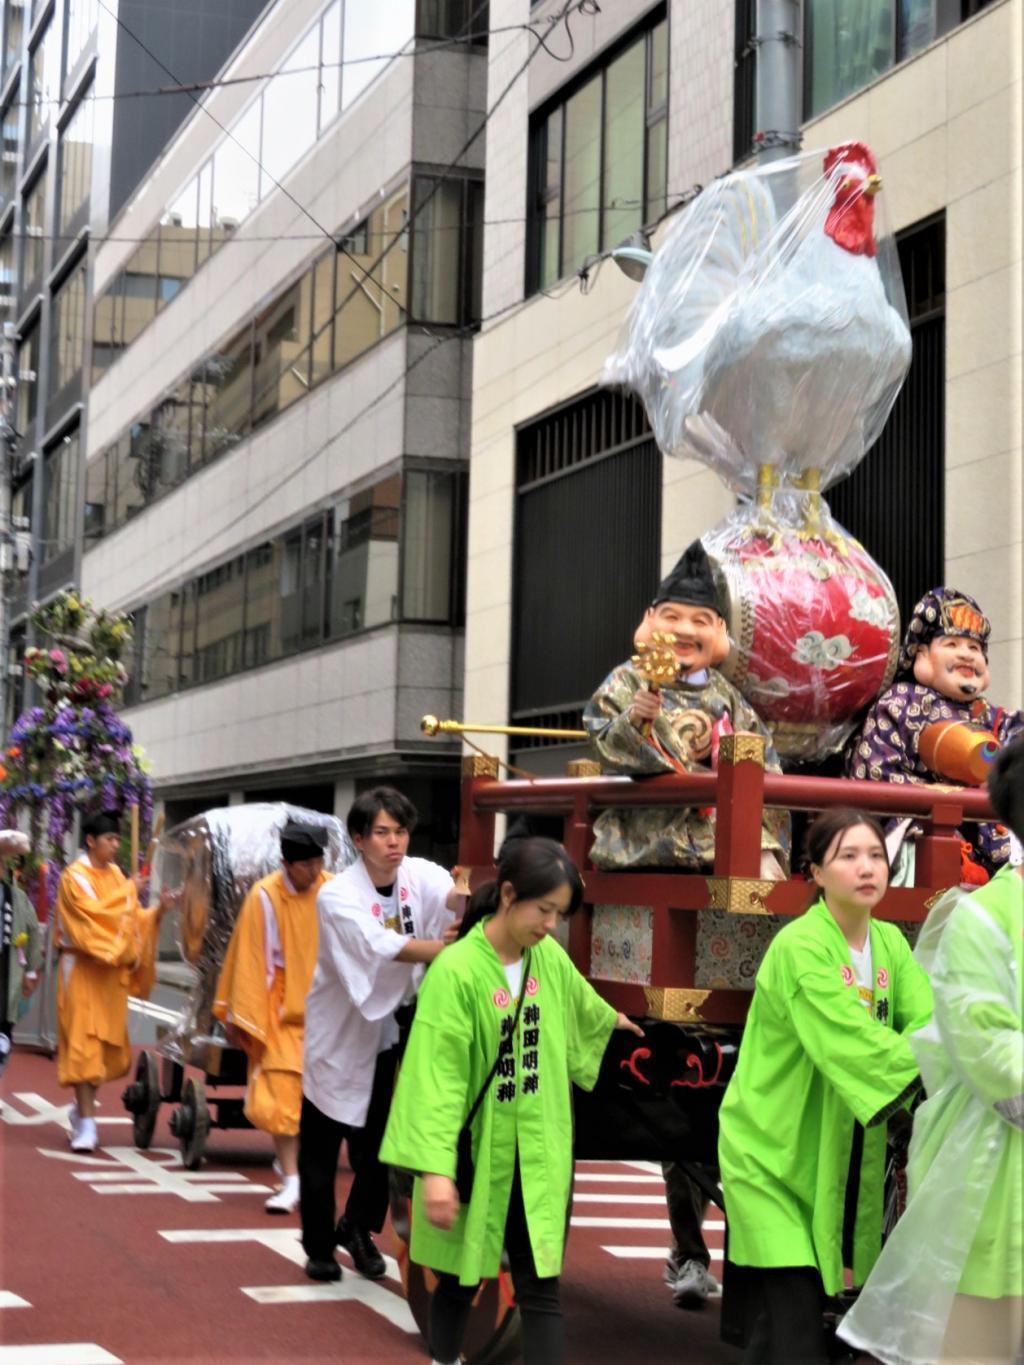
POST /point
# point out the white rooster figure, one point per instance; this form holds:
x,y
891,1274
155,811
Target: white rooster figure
x,y
768,338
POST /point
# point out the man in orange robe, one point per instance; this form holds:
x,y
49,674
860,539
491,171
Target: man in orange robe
x,y
261,994
107,951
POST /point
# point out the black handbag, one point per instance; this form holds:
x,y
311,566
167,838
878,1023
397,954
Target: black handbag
x,y
464,1166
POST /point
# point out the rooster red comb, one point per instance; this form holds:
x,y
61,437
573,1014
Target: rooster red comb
x,y
851,151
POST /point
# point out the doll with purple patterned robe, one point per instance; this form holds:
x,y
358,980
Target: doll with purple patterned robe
x,y
941,676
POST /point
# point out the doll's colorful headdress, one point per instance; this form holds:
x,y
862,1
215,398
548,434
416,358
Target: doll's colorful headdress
x,y
943,611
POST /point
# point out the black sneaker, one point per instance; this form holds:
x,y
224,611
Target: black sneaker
x,y
323,1270
359,1245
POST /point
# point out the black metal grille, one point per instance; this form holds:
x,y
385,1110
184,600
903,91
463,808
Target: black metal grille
x,y
744,77
588,533
894,501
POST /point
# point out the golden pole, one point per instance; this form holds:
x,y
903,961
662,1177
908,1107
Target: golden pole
x,y
430,725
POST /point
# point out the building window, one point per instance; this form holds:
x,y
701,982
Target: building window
x,y
14,31
7,278
848,46
76,170
67,337
370,305
82,17
905,468
96,496
220,608
583,472
433,541
364,560
61,476
28,381
44,82
744,87
452,19
34,219
598,159
9,166
446,249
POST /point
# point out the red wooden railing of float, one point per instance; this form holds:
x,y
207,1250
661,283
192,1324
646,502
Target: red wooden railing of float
x,y
739,790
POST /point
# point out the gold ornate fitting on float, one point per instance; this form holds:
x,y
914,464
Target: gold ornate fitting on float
x,y
583,767
739,895
737,748
479,765
673,1004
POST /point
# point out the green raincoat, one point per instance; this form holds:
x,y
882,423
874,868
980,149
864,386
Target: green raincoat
x,y
812,1064
563,1032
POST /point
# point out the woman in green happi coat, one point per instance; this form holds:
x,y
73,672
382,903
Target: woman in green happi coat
x,y
823,1064
506,961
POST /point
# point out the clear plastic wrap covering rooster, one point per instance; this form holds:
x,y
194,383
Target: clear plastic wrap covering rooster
x,y
771,326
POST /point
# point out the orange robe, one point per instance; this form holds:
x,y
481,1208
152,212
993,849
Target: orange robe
x,y
266,976
107,951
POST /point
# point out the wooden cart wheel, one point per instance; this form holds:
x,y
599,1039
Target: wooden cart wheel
x,y
142,1099
191,1123
493,1325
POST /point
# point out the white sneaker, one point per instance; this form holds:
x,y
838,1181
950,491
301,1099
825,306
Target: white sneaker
x,y
286,1200
84,1137
694,1285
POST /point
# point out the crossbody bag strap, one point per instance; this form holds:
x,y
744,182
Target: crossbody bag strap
x,y
506,1043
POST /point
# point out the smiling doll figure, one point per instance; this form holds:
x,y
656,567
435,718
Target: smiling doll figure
x,y
942,676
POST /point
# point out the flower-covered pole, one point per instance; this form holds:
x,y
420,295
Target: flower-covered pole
x,y
72,751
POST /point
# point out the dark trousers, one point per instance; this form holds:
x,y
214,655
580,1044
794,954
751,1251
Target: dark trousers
x,y
687,1207
539,1308
784,1314
320,1140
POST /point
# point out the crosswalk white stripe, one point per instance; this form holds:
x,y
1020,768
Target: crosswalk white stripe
x,y
59,1353
607,1179
9,1300
587,1222
640,1253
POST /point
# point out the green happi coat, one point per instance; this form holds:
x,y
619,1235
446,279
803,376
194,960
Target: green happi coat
x,y
812,1064
563,1032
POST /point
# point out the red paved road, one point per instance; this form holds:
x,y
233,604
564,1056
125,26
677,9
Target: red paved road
x,y
140,1261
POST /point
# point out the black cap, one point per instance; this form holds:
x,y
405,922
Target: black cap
x,y
691,583
300,841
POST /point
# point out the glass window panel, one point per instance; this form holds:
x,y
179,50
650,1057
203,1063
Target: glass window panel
x,y
34,217
185,601
170,437
371,33
205,213
849,45
44,81
364,565
7,278
96,498
314,551
14,14
61,475
290,109
427,532
228,383
369,308
263,604
291,592
157,668
624,145
657,90
107,329
179,229
581,176
76,163
28,381
917,26
129,475
236,177
220,606
81,21
330,64
323,314
9,167
550,200
281,354
436,253
655,191
68,335
138,285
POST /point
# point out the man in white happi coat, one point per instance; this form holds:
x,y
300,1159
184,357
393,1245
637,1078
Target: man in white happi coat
x,y
381,921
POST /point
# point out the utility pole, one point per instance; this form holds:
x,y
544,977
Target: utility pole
x,y
778,82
